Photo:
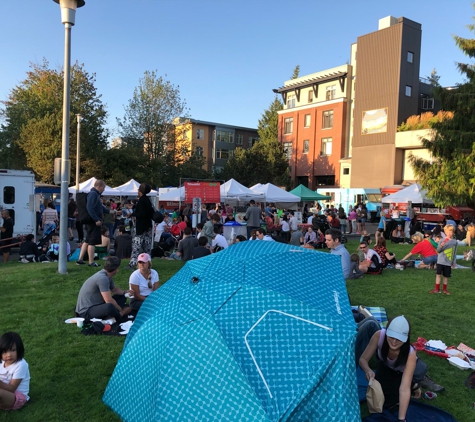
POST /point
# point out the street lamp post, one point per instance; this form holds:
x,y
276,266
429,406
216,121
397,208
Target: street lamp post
x,y
78,150
68,15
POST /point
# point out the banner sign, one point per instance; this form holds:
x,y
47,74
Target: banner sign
x,y
207,191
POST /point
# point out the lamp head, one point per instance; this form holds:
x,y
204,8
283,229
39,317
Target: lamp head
x,y
68,10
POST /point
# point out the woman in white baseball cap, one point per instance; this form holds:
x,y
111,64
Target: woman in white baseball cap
x,y
399,370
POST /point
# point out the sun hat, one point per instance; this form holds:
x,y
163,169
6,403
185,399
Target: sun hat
x,y
398,329
144,257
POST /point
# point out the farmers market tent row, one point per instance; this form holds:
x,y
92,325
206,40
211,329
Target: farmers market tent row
x,y
127,189
232,192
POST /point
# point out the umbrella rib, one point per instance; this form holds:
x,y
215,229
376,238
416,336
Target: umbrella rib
x,y
227,300
258,322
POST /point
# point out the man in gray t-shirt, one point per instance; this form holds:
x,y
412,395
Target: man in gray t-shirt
x,y
99,297
252,217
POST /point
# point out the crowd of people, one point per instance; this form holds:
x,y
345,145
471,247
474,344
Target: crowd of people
x,y
131,233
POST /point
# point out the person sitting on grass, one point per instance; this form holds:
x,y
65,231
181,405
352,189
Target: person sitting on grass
x,y
333,242
310,239
262,235
372,262
103,248
202,249
399,371
446,259
143,281
53,251
100,298
14,372
219,242
29,250
397,235
123,243
423,247
355,271
387,258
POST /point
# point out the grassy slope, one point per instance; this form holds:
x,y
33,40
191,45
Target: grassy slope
x,y
70,371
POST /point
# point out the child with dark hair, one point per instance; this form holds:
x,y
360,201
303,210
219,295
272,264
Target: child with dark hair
x,y
14,372
123,243
202,249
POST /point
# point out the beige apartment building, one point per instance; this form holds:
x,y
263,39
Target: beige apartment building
x,y
215,142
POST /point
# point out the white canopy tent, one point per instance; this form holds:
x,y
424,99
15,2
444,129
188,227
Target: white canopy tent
x,y
412,193
130,189
174,195
280,197
89,184
232,192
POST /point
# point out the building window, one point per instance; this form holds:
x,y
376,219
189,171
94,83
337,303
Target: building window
x,y
410,57
252,140
306,120
291,101
346,171
408,91
310,96
427,103
306,146
224,154
327,119
288,125
330,92
223,136
326,146
239,139
9,195
199,151
288,150
200,134
325,180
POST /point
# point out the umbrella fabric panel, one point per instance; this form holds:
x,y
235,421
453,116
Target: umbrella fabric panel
x,y
201,381
313,277
331,395
180,372
136,376
170,295
287,346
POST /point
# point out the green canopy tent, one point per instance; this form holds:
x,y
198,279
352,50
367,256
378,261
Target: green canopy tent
x,y
307,194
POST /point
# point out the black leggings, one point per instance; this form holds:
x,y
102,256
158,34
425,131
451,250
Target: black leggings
x,y
390,381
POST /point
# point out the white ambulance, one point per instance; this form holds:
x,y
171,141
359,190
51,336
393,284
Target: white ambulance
x,y
17,195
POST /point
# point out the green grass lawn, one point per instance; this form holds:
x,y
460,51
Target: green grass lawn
x,y
70,371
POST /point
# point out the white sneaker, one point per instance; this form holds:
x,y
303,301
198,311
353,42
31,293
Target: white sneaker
x,y
25,261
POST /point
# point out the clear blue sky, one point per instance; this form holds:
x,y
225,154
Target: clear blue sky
x,y
226,55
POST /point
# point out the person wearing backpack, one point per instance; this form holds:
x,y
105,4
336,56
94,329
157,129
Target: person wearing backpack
x,y
95,210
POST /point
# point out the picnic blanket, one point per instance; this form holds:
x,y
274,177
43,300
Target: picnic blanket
x,y
378,312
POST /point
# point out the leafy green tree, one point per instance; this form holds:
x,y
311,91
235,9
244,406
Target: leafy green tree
x,y
149,115
31,133
449,176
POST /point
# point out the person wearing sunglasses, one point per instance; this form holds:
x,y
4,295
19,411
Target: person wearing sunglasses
x,y
142,281
372,261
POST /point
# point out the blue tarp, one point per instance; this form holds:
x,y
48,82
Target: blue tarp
x,y
261,331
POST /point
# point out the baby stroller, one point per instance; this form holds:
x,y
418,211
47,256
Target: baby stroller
x,y
47,235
